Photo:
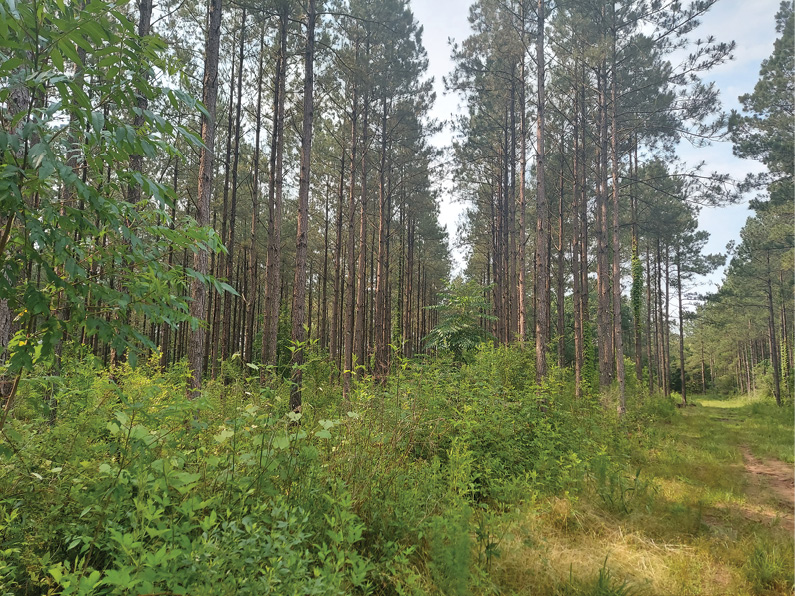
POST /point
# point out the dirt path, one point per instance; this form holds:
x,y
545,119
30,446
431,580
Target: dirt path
x,y
771,490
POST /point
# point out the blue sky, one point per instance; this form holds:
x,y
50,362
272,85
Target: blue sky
x,y
750,25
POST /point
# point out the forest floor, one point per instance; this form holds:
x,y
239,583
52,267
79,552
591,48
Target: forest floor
x,y
710,512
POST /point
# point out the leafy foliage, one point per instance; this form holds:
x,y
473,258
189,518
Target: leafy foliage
x,y
403,494
766,132
462,307
65,149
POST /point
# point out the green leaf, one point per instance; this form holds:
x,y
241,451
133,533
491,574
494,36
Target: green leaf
x,y
223,435
281,442
57,59
97,121
68,50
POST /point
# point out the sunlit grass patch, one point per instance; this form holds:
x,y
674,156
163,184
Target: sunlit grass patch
x,y
545,557
769,565
691,536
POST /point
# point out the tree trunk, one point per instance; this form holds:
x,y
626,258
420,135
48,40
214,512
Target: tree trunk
x,y
381,336
273,287
522,290
198,307
637,269
339,282
408,341
786,359
226,330
213,299
615,165
310,300
361,279
667,322
350,319
217,262
369,319
512,261
559,288
136,160
658,325
252,254
771,321
499,270
165,332
322,307
604,327
63,313
681,325
299,283
585,315
505,236
542,219
576,264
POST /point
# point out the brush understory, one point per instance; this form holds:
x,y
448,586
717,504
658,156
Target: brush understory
x,y
450,480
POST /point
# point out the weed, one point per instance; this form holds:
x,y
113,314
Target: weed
x,y
769,566
604,584
619,492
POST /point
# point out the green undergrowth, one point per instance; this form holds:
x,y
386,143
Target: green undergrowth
x,y
419,487
730,524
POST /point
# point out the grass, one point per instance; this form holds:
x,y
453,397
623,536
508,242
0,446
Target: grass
x,y
446,482
703,525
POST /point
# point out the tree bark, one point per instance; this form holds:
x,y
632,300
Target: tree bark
x,y
542,219
361,280
559,287
252,254
649,284
273,287
604,326
576,263
408,341
165,330
637,267
136,160
299,283
381,322
771,321
513,249
681,325
662,374
522,289
198,308
350,319
667,321
323,305
339,282
226,330
615,165
217,261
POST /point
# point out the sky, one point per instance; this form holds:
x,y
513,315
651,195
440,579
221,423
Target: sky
x,y
750,25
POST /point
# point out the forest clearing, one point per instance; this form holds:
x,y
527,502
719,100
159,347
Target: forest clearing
x,y
303,297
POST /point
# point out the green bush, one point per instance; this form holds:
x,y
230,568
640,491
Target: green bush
x,y
141,495
136,488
